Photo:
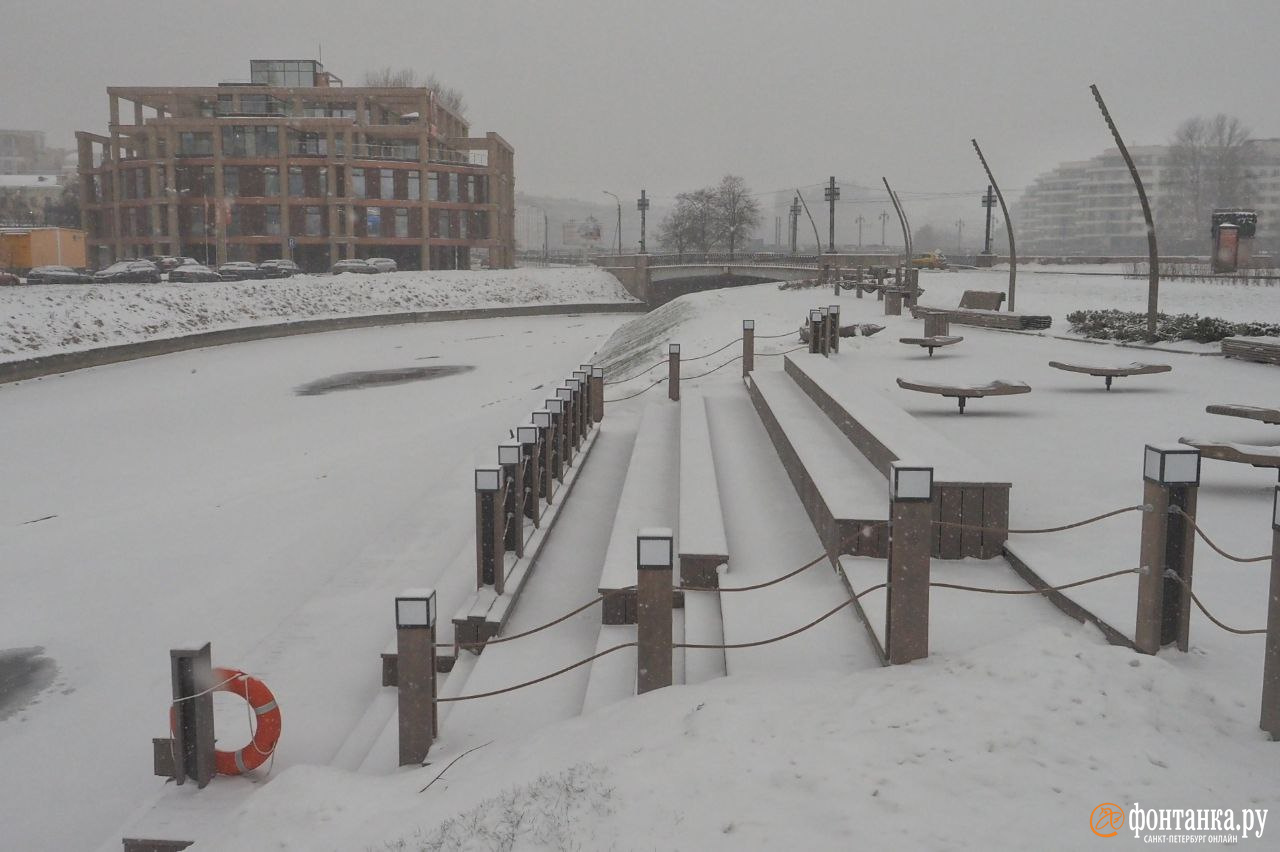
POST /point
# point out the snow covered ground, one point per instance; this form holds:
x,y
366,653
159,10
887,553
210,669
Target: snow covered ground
x,y
45,319
298,517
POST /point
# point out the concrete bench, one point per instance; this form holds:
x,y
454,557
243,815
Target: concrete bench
x,y
703,543
966,491
1270,416
962,393
1263,349
846,498
982,300
646,501
1251,454
933,342
1109,373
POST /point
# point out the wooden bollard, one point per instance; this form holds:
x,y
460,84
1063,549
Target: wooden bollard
x,y
673,372
588,399
826,331
858,282
1171,480
936,325
597,393
511,460
1271,663
568,424
543,419
907,602
416,673
559,456
893,304
748,346
490,531
654,601
833,315
531,450
815,330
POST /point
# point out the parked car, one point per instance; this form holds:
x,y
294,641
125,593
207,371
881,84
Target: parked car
x,y
192,273
358,266
239,270
278,269
165,262
129,271
189,261
57,275
8,279
930,260
382,264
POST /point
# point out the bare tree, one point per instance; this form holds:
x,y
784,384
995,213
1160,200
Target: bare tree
x,y
1207,165
737,212
388,78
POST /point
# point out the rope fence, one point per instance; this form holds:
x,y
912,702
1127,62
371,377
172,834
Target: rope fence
x,y
707,355
1063,527
1196,600
1191,519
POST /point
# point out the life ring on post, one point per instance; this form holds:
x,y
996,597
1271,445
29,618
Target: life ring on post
x,y
266,731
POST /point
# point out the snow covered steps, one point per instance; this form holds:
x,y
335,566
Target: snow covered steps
x,y
967,494
703,543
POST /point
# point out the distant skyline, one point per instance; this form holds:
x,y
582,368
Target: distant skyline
x,y
671,95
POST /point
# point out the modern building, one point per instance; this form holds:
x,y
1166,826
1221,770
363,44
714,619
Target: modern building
x,y
293,164
23,152
1091,207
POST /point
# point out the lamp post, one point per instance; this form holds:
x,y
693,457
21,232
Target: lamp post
x,y
907,602
654,600
1171,480
1271,664
490,536
529,437
643,206
416,673
619,203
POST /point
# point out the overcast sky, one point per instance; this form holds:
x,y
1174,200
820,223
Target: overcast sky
x,y
671,95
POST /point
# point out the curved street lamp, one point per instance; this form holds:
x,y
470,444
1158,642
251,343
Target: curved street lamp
x,y
619,201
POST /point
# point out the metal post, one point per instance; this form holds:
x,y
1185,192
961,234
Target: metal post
x,y
1008,223
1271,663
907,602
416,673
833,313
832,194
643,206
597,393
748,346
1171,474
673,372
654,601
490,535
795,223
190,752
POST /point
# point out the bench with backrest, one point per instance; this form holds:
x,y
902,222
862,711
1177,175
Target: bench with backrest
x,y
1263,349
969,494
704,545
1251,454
982,308
982,300
1270,416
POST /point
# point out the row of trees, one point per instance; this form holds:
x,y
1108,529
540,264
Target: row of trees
x,y
720,217
391,78
1210,162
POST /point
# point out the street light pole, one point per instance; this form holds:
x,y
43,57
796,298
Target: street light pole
x,y
643,206
619,202
859,220
959,236
832,195
884,219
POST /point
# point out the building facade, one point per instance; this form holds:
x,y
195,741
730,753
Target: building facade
x,y
1091,207
293,164
23,152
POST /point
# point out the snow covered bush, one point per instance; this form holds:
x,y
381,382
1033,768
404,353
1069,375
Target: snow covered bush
x,y
1132,326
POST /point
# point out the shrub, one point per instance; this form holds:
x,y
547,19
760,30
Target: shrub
x,y
1131,326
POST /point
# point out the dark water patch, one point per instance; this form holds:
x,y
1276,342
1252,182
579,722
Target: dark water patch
x,y
373,378
24,673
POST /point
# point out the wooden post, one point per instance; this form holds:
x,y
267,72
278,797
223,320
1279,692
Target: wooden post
x,y
815,329
673,372
531,454
748,346
1271,663
654,599
1171,474
511,460
859,282
556,407
585,417
597,393
907,602
893,304
546,448
489,528
416,673
833,314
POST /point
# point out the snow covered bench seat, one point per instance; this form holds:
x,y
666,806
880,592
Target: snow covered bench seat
x,y
1112,371
846,497
966,491
932,342
1249,412
703,543
1252,454
1263,349
646,501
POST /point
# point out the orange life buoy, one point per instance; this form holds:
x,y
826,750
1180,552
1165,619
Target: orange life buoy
x,y
267,731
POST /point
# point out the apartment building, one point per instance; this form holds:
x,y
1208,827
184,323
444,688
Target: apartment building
x,y
291,163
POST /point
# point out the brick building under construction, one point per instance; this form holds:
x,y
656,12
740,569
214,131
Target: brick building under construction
x,y
293,164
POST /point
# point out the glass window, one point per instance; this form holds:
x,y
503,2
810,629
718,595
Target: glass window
x,y
480,189
313,221
453,187
462,224
297,187
195,144
388,186
272,213
233,227
271,180
433,186
240,140
402,222
415,186
373,221
357,183
231,180
195,217
479,224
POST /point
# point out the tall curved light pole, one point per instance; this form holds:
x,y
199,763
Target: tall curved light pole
x,y
1153,254
1008,224
816,239
546,253
619,201
906,228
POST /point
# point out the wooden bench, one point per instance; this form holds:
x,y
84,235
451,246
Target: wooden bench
x,y
704,546
966,490
845,496
645,502
1270,416
982,300
1251,454
1134,368
1262,349
932,343
961,393
982,308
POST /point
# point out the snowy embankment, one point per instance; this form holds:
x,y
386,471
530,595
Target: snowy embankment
x,y
44,320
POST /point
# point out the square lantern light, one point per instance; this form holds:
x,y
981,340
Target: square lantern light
x,y
555,406
564,394
815,316
597,372
833,310
509,453
574,385
416,608
673,349
1171,464
585,369
488,479
822,313
654,548
542,418
1275,510
748,325
529,434
910,482
581,376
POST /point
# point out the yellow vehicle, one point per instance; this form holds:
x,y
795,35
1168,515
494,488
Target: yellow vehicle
x,y
930,260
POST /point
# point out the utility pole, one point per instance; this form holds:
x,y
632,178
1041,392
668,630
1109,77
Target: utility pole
x,y
832,194
643,206
777,230
884,219
859,220
988,201
619,202
959,236
795,222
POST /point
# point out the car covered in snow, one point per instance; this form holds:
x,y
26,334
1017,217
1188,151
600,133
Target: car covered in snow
x,y
57,275
382,264
278,268
239,270
360,267
192,273
129,271
8,279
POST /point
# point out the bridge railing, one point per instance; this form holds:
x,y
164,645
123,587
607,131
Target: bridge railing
x,y
711,258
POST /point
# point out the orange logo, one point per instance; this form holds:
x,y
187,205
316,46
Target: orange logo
x,y
1107,817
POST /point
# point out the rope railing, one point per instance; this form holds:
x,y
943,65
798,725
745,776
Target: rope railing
x,y
1196,600
1142,507
764,585
1042,591
637,393
538,680
1191,519
701,357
